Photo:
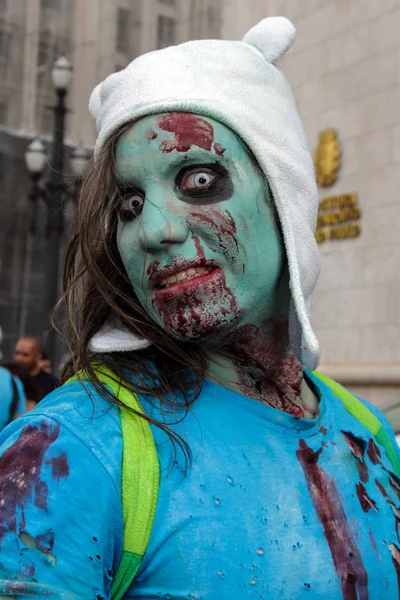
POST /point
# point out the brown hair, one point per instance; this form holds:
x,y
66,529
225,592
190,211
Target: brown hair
x,y
96,286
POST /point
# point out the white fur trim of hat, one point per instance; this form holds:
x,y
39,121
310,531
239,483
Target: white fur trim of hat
x,y
238,84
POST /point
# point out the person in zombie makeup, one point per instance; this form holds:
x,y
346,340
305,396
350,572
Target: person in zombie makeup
x,y
189,275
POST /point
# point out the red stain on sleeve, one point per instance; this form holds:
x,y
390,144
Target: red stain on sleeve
x,y
345,554
20,469
189,129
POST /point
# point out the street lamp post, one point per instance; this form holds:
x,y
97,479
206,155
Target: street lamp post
x,y
61,76
53,194
35,158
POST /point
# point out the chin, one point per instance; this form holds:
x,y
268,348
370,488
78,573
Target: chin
x,y
191,327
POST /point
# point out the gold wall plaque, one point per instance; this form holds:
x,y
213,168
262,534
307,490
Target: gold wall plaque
x,y
327,158
338,218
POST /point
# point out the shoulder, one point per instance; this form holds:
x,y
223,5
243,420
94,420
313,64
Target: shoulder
x,y
80,415
49,377
5,377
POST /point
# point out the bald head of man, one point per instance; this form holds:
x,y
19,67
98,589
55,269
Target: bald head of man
x,y
28,353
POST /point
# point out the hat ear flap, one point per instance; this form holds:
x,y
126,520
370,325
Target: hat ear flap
x,y
272,37
95,102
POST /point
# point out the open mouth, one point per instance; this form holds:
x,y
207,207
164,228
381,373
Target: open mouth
x,y
184,275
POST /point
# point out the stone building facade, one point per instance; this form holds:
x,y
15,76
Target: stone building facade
x,y
345,73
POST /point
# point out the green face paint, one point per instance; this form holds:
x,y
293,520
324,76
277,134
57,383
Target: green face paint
x,y
197,232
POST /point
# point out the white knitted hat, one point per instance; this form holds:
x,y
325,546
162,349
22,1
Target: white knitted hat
x,y
237,84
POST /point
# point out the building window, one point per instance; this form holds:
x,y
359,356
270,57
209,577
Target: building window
x,y
165,32
3,5
122,42
169,2
47,53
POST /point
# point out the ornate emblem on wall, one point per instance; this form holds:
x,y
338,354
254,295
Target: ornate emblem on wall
x,y
327,158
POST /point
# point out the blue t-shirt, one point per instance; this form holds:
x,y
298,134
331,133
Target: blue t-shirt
x,y
6,397
271,506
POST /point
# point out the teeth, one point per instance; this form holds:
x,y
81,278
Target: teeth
x,y
184,276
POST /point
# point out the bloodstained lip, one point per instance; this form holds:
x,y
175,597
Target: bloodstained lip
x,y
176,267
183,287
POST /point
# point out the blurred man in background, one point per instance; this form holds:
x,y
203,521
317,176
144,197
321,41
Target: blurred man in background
x,y
28,354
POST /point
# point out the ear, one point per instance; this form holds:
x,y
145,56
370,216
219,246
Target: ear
x,y
272,37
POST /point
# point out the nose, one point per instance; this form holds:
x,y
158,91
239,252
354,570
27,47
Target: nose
x,y
161,223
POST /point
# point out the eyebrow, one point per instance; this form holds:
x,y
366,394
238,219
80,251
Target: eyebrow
x,y
194,156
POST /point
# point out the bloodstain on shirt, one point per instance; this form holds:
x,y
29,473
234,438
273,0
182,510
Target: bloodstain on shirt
x,y
382,490
365,501
190,130
59,466
357,447
356,444
44,543
21,466
394,484
345,554
374,454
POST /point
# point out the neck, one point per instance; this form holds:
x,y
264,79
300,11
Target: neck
x,y
257,361
34,371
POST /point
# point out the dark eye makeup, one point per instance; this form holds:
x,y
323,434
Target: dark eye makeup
x,y
207,183
132,202
198,184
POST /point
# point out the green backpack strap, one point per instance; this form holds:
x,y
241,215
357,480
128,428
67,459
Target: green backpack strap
x,y
140,482
360,412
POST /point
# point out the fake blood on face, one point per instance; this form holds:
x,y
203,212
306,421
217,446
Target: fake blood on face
x,y
197,308
218,231
151,135
218,149
189,129
20,467
345,554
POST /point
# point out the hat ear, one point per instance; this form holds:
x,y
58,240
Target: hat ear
x,y
272,37
95,102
